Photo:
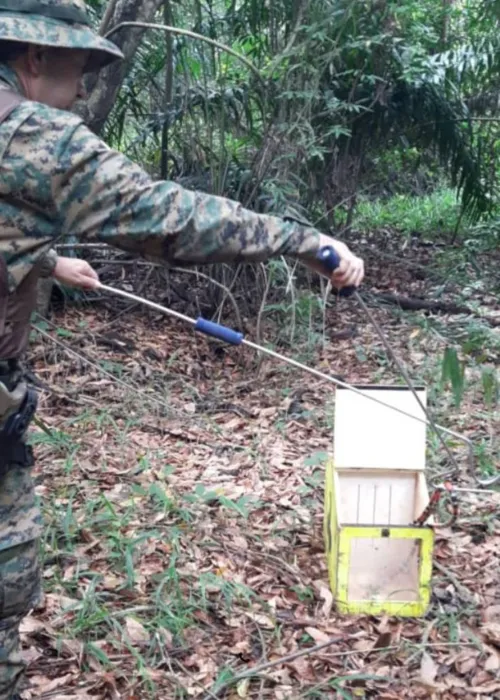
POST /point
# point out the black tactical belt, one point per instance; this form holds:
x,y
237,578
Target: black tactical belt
x,y
8,366
10,373
13,450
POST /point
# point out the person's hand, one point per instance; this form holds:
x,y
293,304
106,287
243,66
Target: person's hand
x,y
350,272
75,273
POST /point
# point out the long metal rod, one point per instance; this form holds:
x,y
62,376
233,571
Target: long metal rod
x,y
317,373
465,490
409,383
437,429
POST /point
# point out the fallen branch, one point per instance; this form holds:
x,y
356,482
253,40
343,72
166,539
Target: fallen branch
x,y
413,304
257,670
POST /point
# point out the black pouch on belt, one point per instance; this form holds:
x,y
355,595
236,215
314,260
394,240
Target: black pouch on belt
x,y
13,450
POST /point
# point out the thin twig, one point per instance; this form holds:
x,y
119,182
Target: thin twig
x,y
454,580
290,286
109,12
260,555
209,693
130,387
102,246
217,284
124,263
258,327
287,51
463,119
43,426
140,263
318,647
278,662
218,313
170,412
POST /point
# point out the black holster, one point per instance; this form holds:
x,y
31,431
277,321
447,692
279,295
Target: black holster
x,y
13,450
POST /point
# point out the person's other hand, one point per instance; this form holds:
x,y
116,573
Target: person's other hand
x,y
75,273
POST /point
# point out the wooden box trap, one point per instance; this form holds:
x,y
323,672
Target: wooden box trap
x,y
375,489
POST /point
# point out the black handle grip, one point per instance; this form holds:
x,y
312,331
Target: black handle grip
x,y
329,257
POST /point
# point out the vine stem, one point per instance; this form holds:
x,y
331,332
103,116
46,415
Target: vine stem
x,y
192,35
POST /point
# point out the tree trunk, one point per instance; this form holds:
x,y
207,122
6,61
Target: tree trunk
x,y
447,5
169,84
103,87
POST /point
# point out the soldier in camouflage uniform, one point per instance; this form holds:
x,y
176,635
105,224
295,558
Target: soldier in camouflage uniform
x,y
58,178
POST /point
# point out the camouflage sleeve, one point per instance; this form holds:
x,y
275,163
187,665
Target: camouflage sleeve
x,y
100,194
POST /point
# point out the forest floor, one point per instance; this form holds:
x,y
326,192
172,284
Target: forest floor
x,y
182,489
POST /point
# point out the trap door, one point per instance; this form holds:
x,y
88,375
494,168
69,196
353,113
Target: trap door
x,y
379,457
370,436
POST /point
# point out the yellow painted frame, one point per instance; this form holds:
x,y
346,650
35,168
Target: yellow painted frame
x,y
331,526
397,608
338,540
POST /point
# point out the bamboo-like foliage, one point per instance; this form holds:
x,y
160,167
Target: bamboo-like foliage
x,y
342,80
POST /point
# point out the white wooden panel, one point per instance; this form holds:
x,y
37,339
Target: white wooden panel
x,y
376,498
371,436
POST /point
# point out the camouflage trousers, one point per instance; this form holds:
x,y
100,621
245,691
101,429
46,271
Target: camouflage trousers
x,y
19,574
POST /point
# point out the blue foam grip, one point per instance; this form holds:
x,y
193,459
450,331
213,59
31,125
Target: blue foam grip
x,y
329,257
220,332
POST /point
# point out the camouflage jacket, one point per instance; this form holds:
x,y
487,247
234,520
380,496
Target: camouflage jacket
x,y
57,179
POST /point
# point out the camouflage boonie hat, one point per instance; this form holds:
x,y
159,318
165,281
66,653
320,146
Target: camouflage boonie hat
x,y
58,23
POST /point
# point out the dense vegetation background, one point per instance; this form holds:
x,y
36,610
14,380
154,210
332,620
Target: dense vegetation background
x,y
344,102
